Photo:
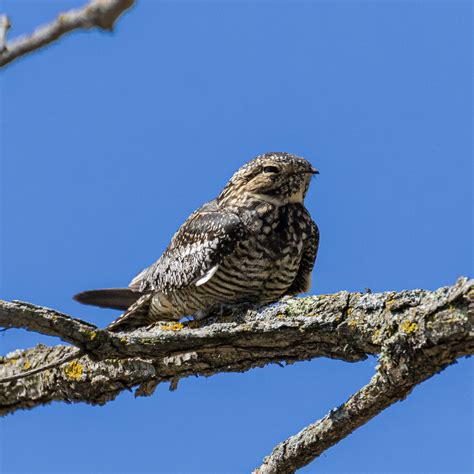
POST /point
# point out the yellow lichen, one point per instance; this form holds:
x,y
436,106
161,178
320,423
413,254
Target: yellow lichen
x,y
74,370
9,361
349,311
376,336
91,335
389,304
26,365
280,316
172,327
408,327
352,323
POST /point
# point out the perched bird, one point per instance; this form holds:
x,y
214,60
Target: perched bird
x,y
254,243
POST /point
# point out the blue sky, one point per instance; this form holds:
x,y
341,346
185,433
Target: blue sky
x,y
109,141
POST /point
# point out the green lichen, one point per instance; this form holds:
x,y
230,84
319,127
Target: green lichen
x,y
299,307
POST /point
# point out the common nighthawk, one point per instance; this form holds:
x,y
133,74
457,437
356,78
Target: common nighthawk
x,y
254,243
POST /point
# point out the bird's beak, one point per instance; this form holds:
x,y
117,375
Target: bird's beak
x,y
313,170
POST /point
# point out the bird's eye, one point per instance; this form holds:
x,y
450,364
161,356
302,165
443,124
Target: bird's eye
x,y
271,169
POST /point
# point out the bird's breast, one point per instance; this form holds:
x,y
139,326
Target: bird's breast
x,y
266,261
260,269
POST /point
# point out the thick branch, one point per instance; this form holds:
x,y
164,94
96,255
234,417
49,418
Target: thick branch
x,y
403,365
301,328
96,14
344,326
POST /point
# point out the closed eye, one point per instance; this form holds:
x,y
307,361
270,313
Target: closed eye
x,y
271,169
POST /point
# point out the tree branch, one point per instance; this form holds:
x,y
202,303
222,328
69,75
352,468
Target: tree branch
x,y
301,328
408,358
4,27
96,14
415,333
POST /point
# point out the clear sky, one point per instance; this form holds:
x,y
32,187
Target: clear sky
x,y
109,141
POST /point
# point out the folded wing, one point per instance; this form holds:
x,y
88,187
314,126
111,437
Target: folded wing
x,y
195,251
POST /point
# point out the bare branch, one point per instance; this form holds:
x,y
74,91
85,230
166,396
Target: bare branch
x,y
56,363
4,27
96,14
79,380
343,326
18,314
415,333
283,330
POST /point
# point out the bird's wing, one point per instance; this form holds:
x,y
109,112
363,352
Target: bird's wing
x,y
195,251
302,281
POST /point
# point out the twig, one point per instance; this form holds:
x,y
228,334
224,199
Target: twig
x,y
56,363
96,14
4,27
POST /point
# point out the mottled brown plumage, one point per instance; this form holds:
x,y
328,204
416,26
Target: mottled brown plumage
x,y
254,243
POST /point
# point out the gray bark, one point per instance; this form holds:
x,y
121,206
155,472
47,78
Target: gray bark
x,y
100,14
415,334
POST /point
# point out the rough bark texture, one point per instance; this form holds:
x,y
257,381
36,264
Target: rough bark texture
x,y
415,334
96,14
431,336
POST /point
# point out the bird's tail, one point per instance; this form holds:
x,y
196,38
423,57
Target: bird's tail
x,y
137,315
114,298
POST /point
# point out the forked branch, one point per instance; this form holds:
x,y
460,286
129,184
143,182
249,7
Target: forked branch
x,y
403,364
415,334
100,14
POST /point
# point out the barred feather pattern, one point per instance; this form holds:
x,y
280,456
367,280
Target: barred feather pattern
x,y
262,267
254,243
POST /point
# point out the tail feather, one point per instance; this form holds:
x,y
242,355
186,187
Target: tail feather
x,y
114,298
136,316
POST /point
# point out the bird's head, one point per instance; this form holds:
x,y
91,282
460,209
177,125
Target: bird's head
x,y
275,177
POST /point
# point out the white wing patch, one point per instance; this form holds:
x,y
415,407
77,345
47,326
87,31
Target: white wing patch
x,y
191,259
207,276
137,281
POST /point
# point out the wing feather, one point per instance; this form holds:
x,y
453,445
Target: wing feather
x,y
196,249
